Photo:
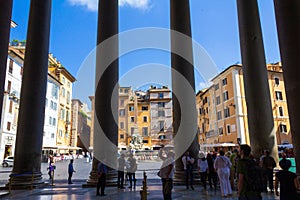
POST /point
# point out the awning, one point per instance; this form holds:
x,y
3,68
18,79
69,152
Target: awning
x,y
219,145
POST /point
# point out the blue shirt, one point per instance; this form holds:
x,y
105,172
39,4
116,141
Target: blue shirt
x,y
71,169
102,168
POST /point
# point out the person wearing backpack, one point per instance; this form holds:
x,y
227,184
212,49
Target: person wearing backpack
x,y
268,165
288,181
246,189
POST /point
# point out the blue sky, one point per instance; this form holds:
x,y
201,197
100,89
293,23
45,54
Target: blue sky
x,y
214,27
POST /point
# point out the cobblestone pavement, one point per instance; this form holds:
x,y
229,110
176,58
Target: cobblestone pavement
x,y
61,190
76,192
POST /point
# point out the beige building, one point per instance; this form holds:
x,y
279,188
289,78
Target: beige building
x,y
81,126
222,111
63,139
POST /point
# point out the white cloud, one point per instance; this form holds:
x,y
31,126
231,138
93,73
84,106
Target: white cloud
x,y
92,5
89,4
140,4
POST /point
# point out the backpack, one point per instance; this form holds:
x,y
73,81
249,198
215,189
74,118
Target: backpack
x,y
254,178
269,162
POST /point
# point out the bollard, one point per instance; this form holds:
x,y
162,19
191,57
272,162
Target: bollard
x,y
143,192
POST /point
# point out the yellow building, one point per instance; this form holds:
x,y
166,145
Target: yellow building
x,y
138,109
145,117
124,95
63,140
226,113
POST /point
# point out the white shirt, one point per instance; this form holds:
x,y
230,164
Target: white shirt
x,y
202,165
186,159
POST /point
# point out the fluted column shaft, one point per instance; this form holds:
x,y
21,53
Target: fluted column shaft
x,y
5,18
27,164
257,92
288,28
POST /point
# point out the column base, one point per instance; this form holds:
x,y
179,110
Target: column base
x,y
25,180
179,177
111,179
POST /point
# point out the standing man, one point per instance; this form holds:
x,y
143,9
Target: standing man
x,y
167,174
268,165
70,171
188,163
102,171
131,171
233,160
121,171
245,190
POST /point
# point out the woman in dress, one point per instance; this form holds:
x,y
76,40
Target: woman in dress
x,y
222,166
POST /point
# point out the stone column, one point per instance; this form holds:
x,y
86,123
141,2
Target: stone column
x,y
106,91
257,91
27,164
5,18
183,99
288,28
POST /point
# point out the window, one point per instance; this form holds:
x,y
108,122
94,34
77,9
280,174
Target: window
x,y
218,100
276,79
132,130
161,104
200,111
122,112
126,91
161,113
122,102
144,107
52,135
122,125
160,95
225,96
131,108
67,116
145,119
122,136
63,92
10,106
161,125
228,128
121,90
62,114
54,106
280,111
60,133
68,84
278,95
283,128
68,97
224,81
8,126
8,86
51,104
131,119
54,91
54,121
11,66
219,115
220,130
145,131
217,86
63,79
50,120
226,112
